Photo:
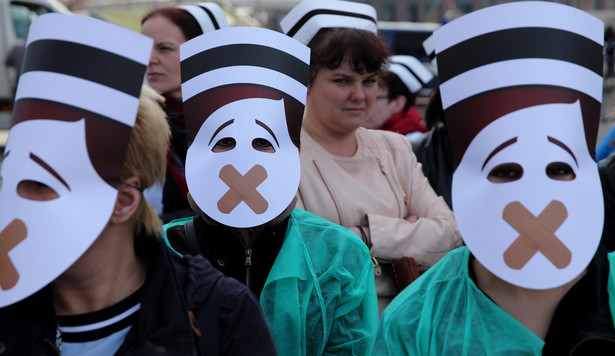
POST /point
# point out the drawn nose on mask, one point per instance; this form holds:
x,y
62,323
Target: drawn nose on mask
x,y
536,234
14,233
242,188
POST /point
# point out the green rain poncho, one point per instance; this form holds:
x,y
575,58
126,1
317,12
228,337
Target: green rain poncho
x,y
444,313
320,296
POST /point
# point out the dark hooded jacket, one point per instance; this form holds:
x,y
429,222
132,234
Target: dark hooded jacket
x,y
174,286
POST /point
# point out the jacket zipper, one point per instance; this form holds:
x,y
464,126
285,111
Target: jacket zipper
x,y
248,265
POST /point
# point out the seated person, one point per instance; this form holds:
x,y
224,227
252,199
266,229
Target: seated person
x,y
394,107
83,270
526,193
366,180
169,27
314,279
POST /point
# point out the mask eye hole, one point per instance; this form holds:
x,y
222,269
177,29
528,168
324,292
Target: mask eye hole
x,y
560,171
506,172
224,144
262,145
33,190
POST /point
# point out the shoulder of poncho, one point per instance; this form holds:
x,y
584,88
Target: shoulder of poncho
x,y
312,226
324,238
449,271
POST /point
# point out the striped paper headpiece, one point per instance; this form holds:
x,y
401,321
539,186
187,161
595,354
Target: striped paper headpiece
x,y
507,57
236,63
309,16
70,73
410,71
209,15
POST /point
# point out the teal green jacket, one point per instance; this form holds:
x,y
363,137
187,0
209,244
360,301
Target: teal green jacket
x,y
320,296
443,312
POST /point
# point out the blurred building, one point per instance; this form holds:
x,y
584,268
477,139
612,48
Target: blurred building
x,y
269,12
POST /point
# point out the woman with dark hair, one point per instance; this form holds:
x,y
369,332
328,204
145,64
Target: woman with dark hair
x,y
170,27
366,180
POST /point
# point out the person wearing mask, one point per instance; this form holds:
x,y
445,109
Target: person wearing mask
x,y
313,278
366,180
533,278
83,270
394,108
169,27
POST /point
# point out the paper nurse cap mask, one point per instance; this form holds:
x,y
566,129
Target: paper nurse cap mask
x,y
209,15
310,16
75,106
410,71
521,88
244,93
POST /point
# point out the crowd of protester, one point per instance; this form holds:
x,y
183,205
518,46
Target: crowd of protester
x,y
277,191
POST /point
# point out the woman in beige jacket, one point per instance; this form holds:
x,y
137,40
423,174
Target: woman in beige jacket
x,y
366,180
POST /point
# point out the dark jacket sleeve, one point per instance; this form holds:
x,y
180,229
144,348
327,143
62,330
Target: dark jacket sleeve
x,y
243,328
606,168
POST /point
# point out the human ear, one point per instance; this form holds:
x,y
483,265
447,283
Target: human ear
x,y
128,199
398,103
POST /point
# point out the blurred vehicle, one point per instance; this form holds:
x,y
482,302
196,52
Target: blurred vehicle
x,y
15,19
407,38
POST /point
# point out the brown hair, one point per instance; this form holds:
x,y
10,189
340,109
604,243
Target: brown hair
x,y
365,50
180,17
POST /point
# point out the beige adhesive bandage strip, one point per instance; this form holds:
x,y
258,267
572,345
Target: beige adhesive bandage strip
x,y
536,234
243,188
11,236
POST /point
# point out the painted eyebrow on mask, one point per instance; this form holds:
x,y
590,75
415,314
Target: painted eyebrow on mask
x,y
563,145
6,154
498,149
48,168
220,129
263,125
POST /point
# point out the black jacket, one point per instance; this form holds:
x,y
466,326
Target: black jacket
x,y
606,167
228,254
173,287
583,323
433,150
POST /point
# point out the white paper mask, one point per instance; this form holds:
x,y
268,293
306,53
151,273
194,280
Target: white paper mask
x,y
47,237
560,237
244,187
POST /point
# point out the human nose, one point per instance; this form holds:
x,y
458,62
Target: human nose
x,y
358,93
153,58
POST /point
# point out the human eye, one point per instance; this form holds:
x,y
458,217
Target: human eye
x,y
506,172
224,144
560,171
165,47
370,81
263,145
